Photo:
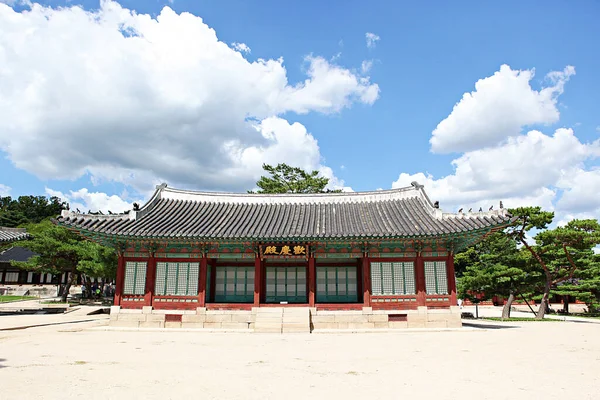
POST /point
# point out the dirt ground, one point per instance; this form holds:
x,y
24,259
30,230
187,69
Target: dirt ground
x,y
550,360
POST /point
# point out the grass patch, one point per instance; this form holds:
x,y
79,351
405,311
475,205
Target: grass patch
x,y
520,319
7,298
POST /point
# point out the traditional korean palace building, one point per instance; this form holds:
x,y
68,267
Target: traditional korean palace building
x,y
367,260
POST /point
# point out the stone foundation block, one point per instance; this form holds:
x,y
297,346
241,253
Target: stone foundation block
x,y
125,324
172,324
155,318
398,324
242,317
218,317
454,323
341,325
201,310
152,324
131,317
147,310
438,317
195,318
192,325
114,310
212,325
381,325
234,325
422,309
367,310
437,324
352,318
323,318
361,325
455,310
378,318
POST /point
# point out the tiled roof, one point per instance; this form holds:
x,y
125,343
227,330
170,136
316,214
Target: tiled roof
x,y
172,213
12,234
16,254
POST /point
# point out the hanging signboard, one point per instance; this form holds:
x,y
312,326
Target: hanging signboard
x,y
293,250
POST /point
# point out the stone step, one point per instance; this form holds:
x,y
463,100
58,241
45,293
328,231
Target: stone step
x,y
268,320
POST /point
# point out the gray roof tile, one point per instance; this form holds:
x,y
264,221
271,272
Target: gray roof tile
x,y
173,213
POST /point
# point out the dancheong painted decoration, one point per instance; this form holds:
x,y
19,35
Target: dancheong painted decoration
x,y
382,250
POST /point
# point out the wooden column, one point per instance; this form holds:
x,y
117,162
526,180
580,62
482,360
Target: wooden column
x,y
150,280
202,281
451,278
257,280
420,278
213,279
119,280
312,278
366,277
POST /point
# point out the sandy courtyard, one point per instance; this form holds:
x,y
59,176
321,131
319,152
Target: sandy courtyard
x,y
550,360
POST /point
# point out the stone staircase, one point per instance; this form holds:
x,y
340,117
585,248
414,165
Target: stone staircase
x,y
282,320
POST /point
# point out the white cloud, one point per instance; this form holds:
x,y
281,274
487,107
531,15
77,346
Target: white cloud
x,y
581,189
4,190
372,39
241,47
525,170
85,200
130,98
498,108
366,66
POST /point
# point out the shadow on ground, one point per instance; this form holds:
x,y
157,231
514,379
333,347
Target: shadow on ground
x,y
475,324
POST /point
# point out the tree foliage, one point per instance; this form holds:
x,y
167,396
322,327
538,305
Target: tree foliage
x,y
28,210
286,179
60,250
492,267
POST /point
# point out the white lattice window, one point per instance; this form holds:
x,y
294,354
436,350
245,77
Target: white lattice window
x,y
176,279
11,277
135,278
392,278
436,280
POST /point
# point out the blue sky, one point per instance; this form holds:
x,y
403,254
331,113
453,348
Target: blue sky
x,y
371,109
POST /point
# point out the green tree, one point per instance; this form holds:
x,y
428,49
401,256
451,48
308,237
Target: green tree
x,y
60,250
286,179
557,252
566,256
493,267
28,210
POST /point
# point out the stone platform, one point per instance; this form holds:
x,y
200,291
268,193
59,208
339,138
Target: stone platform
x,y
286,319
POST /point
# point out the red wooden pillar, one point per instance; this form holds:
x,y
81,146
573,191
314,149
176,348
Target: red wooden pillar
x,y
202,281
366,276
451,278
420,278
213,279
257,280
312,277
150,280
120,278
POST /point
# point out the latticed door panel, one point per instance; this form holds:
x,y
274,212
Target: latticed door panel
x,y
176,279
285,284
234,284
393,278
337,284
436,279
135,278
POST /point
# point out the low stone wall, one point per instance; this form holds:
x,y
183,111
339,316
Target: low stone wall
x,y
192,319
244,320
386,319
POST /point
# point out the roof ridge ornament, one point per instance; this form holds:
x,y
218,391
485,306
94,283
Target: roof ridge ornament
x,y
416,185
161,186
